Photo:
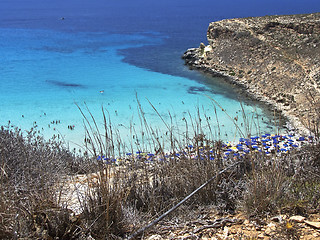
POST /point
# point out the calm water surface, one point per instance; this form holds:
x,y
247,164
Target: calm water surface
x,y
55,55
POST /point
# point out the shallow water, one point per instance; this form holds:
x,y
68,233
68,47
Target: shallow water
x,y
94,56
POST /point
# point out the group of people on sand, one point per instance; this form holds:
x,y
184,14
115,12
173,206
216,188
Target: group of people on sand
x,y
266,144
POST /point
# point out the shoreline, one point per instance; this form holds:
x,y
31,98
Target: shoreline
x,y
247,89
272,59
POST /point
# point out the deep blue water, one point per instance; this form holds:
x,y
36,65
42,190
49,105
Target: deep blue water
x,y
58,53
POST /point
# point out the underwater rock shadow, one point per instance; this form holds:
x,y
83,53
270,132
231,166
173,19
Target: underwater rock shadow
x,y
65,84
196,90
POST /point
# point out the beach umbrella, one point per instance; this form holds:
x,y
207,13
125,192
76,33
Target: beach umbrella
x,y
234,149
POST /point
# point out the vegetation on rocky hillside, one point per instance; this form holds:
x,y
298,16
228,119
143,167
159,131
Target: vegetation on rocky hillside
x,y
116,197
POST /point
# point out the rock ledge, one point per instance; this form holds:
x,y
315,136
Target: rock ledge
x,y
276,59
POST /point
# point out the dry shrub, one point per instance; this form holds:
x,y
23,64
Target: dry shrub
x,y
165,183
288,184
29,169
126,196
266,186
102,213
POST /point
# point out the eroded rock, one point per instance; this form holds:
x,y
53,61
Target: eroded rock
x,y
275,58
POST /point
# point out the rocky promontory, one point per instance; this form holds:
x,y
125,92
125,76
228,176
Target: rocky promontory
x,y
275,58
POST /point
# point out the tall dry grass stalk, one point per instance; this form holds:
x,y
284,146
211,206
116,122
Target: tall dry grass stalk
x,y
128,184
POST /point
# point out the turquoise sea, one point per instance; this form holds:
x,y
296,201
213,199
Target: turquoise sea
x,y
112,54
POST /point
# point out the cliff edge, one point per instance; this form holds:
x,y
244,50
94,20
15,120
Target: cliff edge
x,y
275,58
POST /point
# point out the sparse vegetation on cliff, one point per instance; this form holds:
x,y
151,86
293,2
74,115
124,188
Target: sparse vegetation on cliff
x,y
280,54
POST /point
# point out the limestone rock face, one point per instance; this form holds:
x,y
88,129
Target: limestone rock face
x,y
275,58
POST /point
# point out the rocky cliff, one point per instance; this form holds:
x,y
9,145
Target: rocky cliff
x,y
275,58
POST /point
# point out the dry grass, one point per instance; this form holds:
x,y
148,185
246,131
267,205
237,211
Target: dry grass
x,y
126,195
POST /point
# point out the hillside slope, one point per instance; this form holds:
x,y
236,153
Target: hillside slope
x,y
275,58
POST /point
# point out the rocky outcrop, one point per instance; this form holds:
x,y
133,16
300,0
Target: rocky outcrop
x,y
275,58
